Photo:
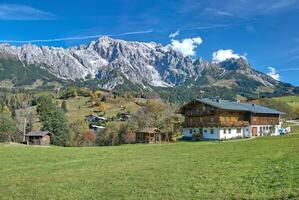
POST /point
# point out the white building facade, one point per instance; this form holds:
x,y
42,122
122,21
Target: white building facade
x,y
224,133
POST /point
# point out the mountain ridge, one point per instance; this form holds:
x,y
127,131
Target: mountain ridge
x,y
112,63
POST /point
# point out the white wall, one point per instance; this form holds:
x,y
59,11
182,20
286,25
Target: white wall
x,y
219,132
206,132
209,136
186,132
233,133
267,131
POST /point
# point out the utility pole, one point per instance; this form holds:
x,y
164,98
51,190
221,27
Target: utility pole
x,y
24,129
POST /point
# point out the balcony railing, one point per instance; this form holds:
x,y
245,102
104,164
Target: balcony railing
x,y
215,124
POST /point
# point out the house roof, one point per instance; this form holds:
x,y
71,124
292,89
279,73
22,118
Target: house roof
x,y
227,105
100,127
38,133
148,130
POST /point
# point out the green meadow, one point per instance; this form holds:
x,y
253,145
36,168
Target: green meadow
x,y
290,100
261,168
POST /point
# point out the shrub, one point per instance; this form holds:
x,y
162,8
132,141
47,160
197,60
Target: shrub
x,y
127,133
7,127
89,137
63,106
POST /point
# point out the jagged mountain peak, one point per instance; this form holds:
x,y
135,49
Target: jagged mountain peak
x,y
235,64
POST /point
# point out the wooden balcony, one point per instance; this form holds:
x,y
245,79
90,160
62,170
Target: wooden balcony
x,y
215,124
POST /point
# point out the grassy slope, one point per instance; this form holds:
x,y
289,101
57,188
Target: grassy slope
x,y
257,169
113,107
75,113
291,100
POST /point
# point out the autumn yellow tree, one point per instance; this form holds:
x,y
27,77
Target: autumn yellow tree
x,y
102,106
6,110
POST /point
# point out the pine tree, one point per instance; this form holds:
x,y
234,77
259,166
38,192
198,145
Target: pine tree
x,y
63,106
53,120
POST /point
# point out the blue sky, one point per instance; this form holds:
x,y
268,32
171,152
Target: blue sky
x,y
266,32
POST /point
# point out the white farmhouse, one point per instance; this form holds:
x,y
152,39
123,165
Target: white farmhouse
x,y
219,120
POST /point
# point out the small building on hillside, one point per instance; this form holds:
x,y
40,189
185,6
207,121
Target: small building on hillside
x,y
96,127
96,119
123,116
151,136
38,138
219,119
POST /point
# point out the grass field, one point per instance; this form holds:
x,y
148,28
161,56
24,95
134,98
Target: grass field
x,y
261,168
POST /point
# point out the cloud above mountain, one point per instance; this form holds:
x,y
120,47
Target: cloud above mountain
x,y
224,54
186,46
23,12
173,35
273,73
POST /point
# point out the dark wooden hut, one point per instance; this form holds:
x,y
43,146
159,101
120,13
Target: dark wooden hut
x,y
151,136
38,138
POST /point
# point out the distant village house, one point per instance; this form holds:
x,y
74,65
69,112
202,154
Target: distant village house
x,y
219,119
123,116
93,118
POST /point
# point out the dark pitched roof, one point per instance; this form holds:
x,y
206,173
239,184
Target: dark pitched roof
x,y
38,133
227,105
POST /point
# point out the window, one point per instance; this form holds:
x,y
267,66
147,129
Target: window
x,y
229,131
205,130
190,131
212,119
212,131
200,131
224,131
239,130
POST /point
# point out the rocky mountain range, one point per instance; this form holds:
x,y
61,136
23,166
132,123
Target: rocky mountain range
x,y
112,64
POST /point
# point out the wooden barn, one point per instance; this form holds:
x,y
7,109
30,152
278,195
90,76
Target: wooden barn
x,y
151,136
219,119
38,138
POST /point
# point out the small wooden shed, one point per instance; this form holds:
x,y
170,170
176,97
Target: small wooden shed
x,y
151,136
38,138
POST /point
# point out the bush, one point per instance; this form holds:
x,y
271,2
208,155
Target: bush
x,y
103,138
109,136
7,128
89,137
63,106
83,91
126,134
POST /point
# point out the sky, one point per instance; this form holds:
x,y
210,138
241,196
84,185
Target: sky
x,y
265,32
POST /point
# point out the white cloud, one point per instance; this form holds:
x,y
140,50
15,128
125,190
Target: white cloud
x,y
23,12
273,73
214,11
187,46
222,55
173,35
